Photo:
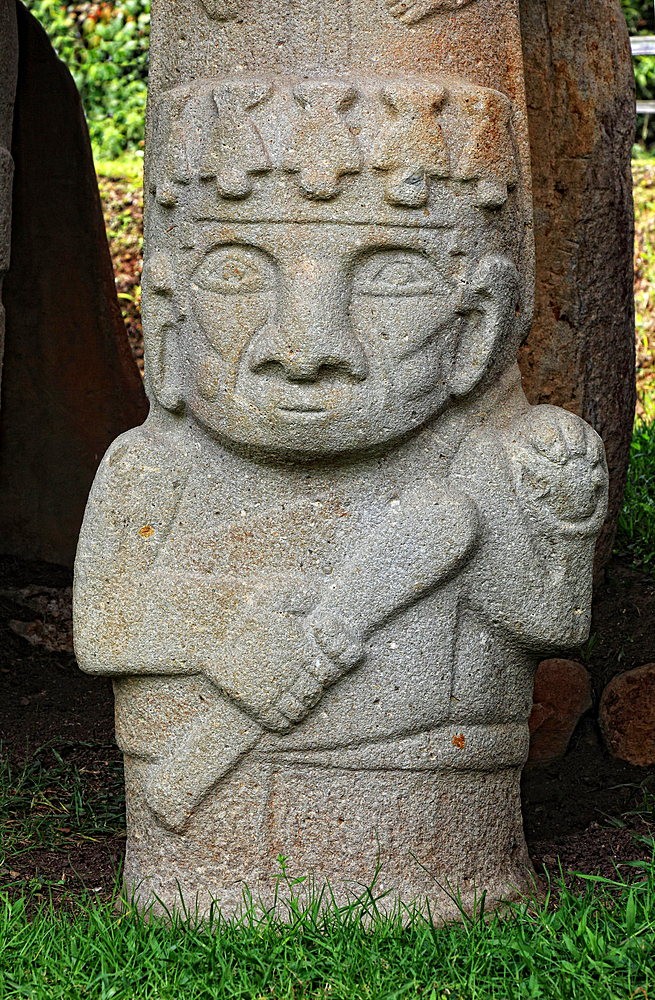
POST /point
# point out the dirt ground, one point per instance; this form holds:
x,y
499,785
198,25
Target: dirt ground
x,y
568,806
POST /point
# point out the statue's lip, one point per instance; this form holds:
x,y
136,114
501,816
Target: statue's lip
x,y
310,411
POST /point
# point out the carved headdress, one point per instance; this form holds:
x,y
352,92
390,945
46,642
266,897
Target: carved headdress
x,y
330,129
370,146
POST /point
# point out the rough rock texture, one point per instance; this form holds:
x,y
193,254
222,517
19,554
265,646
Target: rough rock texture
x,y
8,70
580,97
562,694
323,571
627,715
69,383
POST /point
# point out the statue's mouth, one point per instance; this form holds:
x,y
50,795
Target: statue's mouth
x,y
302,411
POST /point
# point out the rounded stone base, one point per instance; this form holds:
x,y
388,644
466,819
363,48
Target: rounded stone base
x,y
434,834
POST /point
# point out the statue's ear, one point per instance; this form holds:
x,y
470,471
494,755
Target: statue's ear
x,y
489,309
160,331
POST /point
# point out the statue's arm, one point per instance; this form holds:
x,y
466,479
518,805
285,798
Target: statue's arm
x,y
124,619
134,617
542,518
424,537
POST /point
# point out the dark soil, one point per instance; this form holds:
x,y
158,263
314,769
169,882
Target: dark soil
x,y
43,697
570,807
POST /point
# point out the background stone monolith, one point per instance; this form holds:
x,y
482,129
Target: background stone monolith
x,y
69,383
627,715
324,570
562,694
8,70
580,353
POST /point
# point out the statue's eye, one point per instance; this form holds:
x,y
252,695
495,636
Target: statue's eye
x,y
230,271
402,274
393,273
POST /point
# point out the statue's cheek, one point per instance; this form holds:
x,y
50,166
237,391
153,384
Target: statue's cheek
x,y
230,321
400,324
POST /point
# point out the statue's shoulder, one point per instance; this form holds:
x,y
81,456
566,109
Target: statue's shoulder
x,y
143,450
136,492
142,460
482,458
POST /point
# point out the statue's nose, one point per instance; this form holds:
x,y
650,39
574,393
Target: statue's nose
x,y
313,338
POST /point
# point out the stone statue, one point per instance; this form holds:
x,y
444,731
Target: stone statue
x,y
323,571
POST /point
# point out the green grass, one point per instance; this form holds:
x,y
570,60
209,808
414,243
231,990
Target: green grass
x,y
127,167
635,536
598,944
65,792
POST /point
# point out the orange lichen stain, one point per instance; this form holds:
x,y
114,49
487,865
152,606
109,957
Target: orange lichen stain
x,y
147,531
459,741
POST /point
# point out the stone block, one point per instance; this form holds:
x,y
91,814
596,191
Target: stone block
x,y
69,383
580,353
562,694
8,71
627,715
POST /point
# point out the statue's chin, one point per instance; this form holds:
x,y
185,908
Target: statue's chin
x,y
304,432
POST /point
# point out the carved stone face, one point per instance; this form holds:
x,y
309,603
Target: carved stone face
x,y
322,338
315,295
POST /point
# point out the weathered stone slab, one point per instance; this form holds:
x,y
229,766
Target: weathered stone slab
x,y
581,112
8,70
562,694
323,571
627,715
69,384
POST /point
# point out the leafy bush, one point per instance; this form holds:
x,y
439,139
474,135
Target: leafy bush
x,y
639,16
105,46
640,19
636,529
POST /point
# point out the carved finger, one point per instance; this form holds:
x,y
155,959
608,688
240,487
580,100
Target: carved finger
x,y
531,470
304,693
547,439
337,639
325,670
399,9
572,429
594,446
274,719
536,480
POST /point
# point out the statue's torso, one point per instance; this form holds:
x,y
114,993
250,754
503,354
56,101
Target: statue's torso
x,y
270,543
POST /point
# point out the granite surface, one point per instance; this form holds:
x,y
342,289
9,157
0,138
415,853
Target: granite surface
x,y
324,570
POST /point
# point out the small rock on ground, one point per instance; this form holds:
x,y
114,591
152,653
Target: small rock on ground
x,y
562,694
627,715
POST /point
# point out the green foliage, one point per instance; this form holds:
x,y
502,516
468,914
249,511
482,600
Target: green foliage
x,y
639,16
105,46
597,944
636,529
640,19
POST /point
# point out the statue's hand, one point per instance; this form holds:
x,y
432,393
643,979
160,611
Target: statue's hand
x,y
275,667
560,472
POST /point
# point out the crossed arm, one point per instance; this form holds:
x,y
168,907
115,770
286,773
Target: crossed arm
x,y
132,617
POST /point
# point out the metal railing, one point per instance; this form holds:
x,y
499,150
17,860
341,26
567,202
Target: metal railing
x,y
644,45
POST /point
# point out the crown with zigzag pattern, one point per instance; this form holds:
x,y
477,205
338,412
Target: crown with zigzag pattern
x,y
378,150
